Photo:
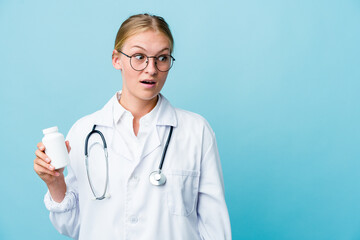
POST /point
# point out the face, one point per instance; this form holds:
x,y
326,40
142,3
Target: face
x,y
146,84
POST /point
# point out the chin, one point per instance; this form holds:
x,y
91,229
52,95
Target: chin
x,y
148,97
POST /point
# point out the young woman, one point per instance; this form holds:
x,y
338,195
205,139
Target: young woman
x,y
139,168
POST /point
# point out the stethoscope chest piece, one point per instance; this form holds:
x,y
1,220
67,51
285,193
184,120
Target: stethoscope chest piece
x,y
157,178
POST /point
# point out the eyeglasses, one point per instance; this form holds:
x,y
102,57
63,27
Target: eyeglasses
x,y
139,61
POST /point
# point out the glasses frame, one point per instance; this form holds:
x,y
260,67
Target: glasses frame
x,y
147,61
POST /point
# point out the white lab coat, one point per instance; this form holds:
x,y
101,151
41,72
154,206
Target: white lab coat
x,y
190,205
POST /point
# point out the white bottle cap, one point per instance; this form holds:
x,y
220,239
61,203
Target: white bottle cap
x,y
50,130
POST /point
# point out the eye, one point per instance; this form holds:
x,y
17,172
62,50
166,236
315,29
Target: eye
x,y
163,58
139,56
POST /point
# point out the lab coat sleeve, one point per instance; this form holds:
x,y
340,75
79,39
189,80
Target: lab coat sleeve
x,y
65,215
213,217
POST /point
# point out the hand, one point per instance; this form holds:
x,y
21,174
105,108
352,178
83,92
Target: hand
x,y
43,167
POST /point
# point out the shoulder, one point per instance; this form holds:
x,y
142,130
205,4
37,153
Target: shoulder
x,y
195,122
194,131
102,117
187,116
186,121
82,126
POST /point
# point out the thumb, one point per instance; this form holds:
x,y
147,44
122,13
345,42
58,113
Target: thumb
x,y
68,146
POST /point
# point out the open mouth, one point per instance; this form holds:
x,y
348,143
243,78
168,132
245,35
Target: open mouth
x,y
148,82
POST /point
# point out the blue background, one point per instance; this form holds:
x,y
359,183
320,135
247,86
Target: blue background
x,y
277,80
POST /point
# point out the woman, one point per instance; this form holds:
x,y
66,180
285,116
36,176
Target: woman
x,y
182,199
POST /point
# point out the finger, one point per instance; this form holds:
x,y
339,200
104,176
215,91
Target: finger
x,y
43,172
42,156
40,170
41,146
61,170
40,162
68,146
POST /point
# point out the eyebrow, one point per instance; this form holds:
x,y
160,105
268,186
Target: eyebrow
x,y
136,46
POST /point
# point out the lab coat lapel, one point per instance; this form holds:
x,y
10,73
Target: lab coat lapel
x,y
151,143
104,118
121,147
165,117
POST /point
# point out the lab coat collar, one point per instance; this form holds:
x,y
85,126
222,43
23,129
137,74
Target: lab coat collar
x,y
166,116
120,112
118,109
104,117
166,113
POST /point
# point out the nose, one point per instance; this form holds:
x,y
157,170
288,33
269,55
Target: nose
x,y
151,67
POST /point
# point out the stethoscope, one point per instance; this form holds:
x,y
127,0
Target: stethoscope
x,y
157,178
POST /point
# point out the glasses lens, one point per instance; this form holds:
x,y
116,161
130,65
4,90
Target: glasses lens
x,y
164,62
138,61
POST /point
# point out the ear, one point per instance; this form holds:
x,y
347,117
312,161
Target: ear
x,y
116,60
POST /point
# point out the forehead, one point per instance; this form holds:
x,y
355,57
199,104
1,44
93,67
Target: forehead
x,y
150,40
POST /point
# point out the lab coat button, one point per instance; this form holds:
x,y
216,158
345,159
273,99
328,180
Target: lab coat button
x,y
133,219
134,179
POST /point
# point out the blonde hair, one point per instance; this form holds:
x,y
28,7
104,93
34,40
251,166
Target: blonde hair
x,y
140,23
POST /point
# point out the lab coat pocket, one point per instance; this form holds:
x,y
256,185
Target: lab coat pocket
x,y
182,191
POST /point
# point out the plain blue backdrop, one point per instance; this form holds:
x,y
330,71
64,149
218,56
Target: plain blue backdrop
x,y
277,80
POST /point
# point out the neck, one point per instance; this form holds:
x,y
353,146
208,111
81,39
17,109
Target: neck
x,y
137,107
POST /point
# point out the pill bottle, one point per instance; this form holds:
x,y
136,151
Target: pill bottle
x,y
55,147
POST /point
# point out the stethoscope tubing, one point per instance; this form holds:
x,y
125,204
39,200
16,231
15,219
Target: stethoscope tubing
x,y
165,148
106,160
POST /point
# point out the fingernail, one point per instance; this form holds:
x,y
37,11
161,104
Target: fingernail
x,y
51,167
57,174
47,160
42,148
